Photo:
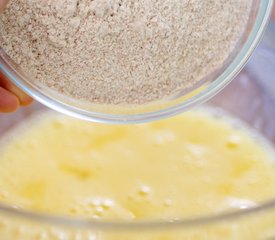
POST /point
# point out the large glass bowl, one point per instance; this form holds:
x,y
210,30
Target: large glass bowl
x,y
135,114
250,98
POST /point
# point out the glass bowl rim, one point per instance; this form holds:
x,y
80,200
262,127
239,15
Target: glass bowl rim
x,y
135,225
235,66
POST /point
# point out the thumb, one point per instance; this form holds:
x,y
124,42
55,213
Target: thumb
x,y
3,3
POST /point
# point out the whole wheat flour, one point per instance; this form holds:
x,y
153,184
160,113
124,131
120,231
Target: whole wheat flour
x,y
121,51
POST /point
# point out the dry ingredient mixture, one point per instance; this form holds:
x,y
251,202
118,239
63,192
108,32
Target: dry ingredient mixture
x,y
121,51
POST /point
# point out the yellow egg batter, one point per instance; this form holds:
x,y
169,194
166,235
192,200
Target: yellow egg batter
x,y
187,166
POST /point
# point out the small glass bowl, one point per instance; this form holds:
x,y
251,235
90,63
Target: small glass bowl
x,y
145,113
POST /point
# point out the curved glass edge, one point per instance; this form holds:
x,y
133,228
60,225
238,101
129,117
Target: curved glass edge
x,y
91,224
212,89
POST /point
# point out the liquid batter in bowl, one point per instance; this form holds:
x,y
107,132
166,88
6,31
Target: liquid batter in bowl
x,y
192,165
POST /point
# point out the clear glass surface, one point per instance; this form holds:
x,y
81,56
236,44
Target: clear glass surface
x,y
136,114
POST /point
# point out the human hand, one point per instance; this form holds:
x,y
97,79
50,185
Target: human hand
x,y
11,97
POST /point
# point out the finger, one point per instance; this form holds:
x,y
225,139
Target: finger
x,y
24,99
8,101
3,3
